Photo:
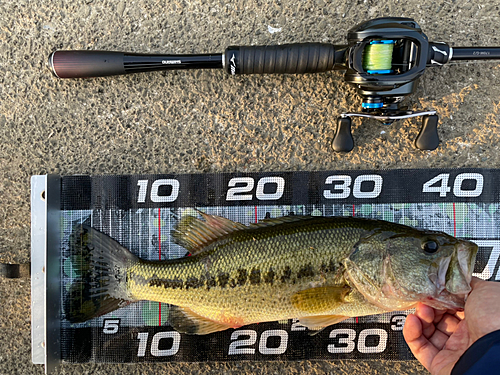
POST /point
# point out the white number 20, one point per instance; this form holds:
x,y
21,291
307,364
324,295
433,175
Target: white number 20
x,y
237,193
244,346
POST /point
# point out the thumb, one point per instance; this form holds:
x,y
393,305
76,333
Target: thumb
x,y
475,282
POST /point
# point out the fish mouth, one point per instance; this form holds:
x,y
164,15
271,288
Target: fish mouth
x,y
452,276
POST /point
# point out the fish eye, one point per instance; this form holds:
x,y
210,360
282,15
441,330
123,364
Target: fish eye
x,y
430,246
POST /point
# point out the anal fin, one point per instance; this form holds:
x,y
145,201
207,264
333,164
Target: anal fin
x,y
186,321
317,323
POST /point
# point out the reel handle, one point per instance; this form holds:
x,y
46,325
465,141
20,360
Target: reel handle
x,y
295,58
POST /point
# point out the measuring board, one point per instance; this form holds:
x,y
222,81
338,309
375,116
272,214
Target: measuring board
x,y
140,212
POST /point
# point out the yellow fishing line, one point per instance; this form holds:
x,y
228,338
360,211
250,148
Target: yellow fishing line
x,y
378,56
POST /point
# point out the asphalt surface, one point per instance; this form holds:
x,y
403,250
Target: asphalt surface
x,y
207,121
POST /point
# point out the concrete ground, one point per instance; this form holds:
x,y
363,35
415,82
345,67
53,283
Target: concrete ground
x,y
207,121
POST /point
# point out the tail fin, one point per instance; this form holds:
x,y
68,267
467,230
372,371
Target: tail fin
x,y
100,264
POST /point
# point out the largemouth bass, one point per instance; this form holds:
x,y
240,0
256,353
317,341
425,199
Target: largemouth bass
x,y
320,270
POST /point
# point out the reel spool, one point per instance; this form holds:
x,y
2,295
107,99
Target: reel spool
x,y
377,57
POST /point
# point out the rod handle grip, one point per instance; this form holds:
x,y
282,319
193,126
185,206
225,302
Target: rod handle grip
x,y
83,64
287,58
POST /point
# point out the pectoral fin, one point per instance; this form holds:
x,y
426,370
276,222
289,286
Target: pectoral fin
x,y
184,320
320,299
317,323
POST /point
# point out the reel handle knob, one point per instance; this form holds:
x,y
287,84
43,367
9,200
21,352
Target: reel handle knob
x,y
428,138
342,140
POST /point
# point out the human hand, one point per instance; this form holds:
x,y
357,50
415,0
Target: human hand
x,y
482,308
438,338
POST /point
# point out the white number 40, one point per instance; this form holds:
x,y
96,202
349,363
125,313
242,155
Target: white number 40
x,y
443,188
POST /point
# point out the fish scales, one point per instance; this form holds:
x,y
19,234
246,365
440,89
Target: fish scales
x,y
286,261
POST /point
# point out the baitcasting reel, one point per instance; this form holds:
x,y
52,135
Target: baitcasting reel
x,y
383,59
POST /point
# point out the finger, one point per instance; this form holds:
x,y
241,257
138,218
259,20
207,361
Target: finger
x,y
420,346
412,328
475,282
444,329
438,314
448,324
426,315
439,339
430,314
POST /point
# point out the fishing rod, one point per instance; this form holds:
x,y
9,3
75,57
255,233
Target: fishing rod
x,y
383,59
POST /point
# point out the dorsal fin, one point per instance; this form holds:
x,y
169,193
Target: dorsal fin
x,y
194,234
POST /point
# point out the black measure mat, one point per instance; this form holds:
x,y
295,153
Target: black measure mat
x,y
140,211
